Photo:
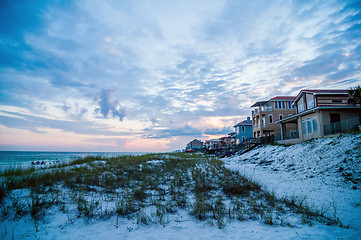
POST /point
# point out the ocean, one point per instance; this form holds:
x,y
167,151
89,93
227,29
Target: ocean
x,y
24,159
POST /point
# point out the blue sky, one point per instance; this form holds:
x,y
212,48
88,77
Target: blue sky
x,y
151,75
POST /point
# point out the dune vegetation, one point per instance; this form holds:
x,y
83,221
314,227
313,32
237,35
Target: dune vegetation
x,y
147,189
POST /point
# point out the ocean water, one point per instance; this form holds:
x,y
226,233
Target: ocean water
x,y
22,158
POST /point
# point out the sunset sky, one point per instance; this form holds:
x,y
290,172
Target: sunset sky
x,y
152,75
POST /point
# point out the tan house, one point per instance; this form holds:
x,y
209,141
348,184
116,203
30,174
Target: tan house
x,y
194,145
266,113
320,113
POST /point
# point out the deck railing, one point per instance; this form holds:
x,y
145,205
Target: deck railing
x,y
288,135
341,127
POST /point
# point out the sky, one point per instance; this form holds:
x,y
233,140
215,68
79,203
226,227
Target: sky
x,y
152,75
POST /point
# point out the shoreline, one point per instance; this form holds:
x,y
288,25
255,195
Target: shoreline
x,y
23,159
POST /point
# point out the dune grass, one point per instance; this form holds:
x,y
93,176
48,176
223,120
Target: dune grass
x,y
148,188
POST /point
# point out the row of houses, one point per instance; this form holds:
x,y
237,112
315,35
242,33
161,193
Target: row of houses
x,y
293,119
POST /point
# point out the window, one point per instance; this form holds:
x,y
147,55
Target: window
x,y
290,105
237,130
280,117
309,125
263,121
243,139
301,107
280,105
270,118
314,124
310,104
304,130
243,129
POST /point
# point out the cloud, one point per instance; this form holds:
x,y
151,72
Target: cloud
x,y
173,132
107,106
65,107
217,131
34,123
16,19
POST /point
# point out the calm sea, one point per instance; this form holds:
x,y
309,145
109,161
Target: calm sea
x,y
20,158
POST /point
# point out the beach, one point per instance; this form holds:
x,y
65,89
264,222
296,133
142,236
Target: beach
x,y
152,196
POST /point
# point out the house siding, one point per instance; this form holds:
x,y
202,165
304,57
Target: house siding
x,y
344,115
308,119
248,133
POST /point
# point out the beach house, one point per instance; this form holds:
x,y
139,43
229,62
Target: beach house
x,y
243,130
214,144
320,113
227,141
266,113
194,145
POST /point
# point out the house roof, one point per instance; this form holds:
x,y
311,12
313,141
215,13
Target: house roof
x,y
277,98
289,98
231,134
333,91
260,103
321,91
243,123
222,138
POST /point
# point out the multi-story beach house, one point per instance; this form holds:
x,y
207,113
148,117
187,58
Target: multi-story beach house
x,y
243,130
320,113
266,113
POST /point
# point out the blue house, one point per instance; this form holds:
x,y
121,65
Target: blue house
x,y
243,130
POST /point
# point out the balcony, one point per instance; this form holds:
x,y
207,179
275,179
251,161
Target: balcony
x,y
255,112
342,127
267,109
291,137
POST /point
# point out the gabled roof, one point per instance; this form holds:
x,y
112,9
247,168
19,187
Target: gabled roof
x,y
243,123
321,91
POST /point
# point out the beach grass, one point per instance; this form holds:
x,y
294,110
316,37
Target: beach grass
x,y
148,188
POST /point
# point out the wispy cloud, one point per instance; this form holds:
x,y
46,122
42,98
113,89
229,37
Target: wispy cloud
x,y
107,106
